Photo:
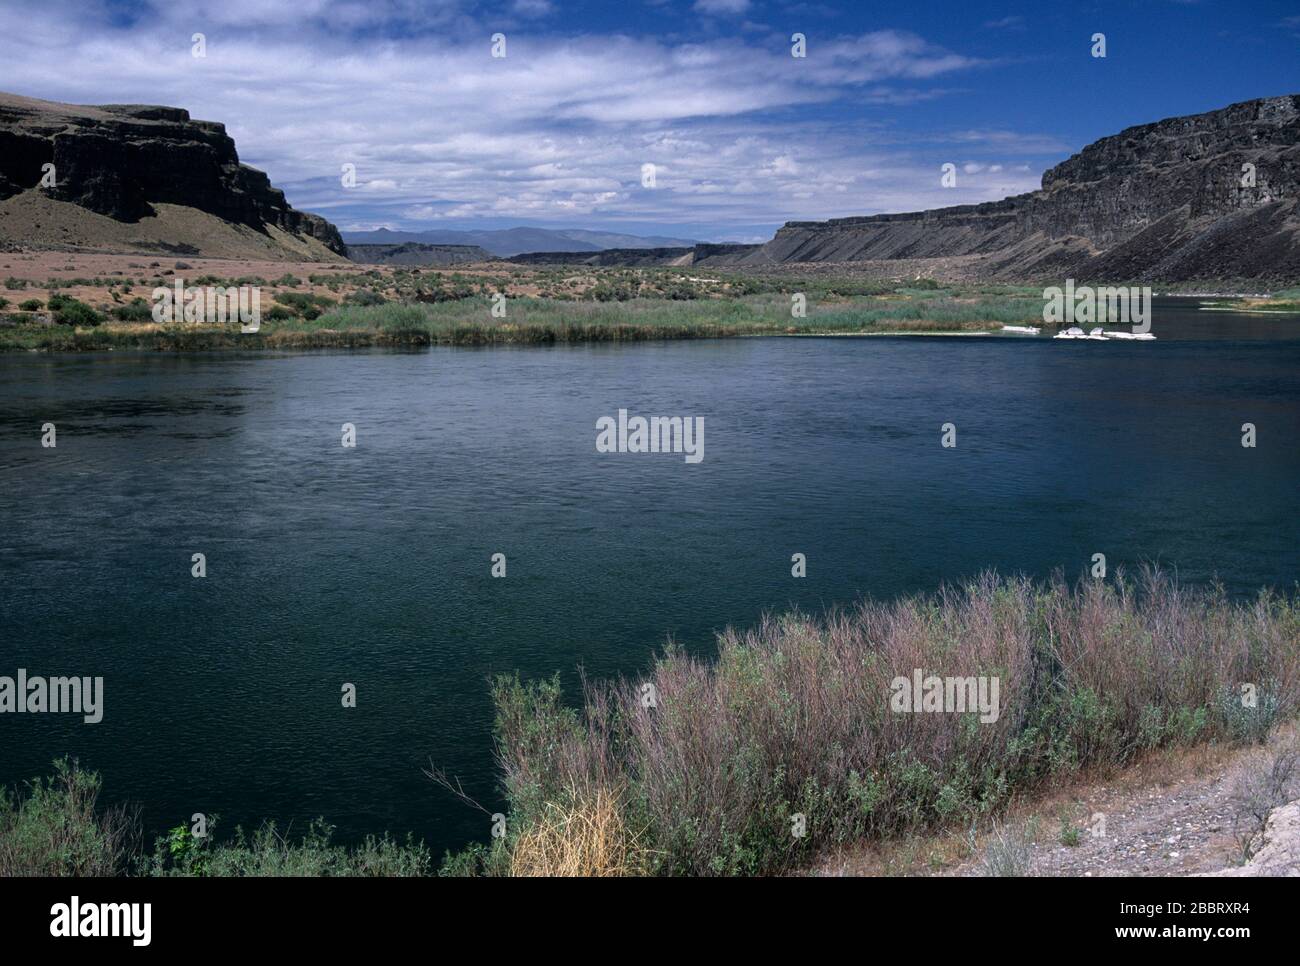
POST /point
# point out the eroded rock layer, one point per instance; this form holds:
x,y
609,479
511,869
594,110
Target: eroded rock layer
x,y
123,161
1210,195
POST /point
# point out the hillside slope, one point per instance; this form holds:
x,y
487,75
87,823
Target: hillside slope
x,y
142,178
1168,201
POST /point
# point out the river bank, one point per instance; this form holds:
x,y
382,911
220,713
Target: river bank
x,y
80,302
797,738
531,321
795,745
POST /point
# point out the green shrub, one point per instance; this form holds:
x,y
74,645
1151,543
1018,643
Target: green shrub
x,y
137,310
477,860
55,829
304,304
69,311
793,719
1251,715
364,296
268,852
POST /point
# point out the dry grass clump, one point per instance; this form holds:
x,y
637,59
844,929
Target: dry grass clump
x,y
586,837
1008,852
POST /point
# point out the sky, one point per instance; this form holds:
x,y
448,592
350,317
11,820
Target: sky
x,y
742,135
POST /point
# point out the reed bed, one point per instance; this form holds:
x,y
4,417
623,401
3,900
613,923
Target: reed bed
x,y
543,321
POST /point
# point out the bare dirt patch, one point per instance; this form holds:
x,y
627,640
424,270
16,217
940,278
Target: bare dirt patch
x,y
1173,814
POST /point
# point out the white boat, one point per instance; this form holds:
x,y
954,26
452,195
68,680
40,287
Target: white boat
x,y
1097,335
1023,329
1140,336
1073,332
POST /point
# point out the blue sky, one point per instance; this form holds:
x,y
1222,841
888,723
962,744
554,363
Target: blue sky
x,y
742,135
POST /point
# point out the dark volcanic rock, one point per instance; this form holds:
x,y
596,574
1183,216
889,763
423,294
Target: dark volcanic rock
x,y
121,159
1163,201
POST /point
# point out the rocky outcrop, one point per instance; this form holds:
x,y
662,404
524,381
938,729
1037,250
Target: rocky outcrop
x,y
1212,195
122,160
1278,853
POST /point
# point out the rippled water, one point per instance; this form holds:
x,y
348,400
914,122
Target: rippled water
x,y
371,565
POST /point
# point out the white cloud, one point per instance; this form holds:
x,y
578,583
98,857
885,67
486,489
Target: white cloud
x,y
533,8
727,7
559,129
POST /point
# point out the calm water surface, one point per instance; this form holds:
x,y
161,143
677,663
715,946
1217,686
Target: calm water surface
x,y
371,565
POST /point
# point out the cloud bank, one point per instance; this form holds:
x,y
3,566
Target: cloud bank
x,y
557,131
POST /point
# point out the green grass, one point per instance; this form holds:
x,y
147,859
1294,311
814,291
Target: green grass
x,y
269,852
1279,302
55,827
468,321
547,320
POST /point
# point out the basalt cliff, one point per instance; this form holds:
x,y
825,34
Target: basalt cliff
x,y
142,178
1207,196
1212,196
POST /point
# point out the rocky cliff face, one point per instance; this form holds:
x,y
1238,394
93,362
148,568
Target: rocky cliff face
x,y
121,160
1166,201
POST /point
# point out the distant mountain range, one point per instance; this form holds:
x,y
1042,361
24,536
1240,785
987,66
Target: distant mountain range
x,y
505,242
1205,196
418,253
